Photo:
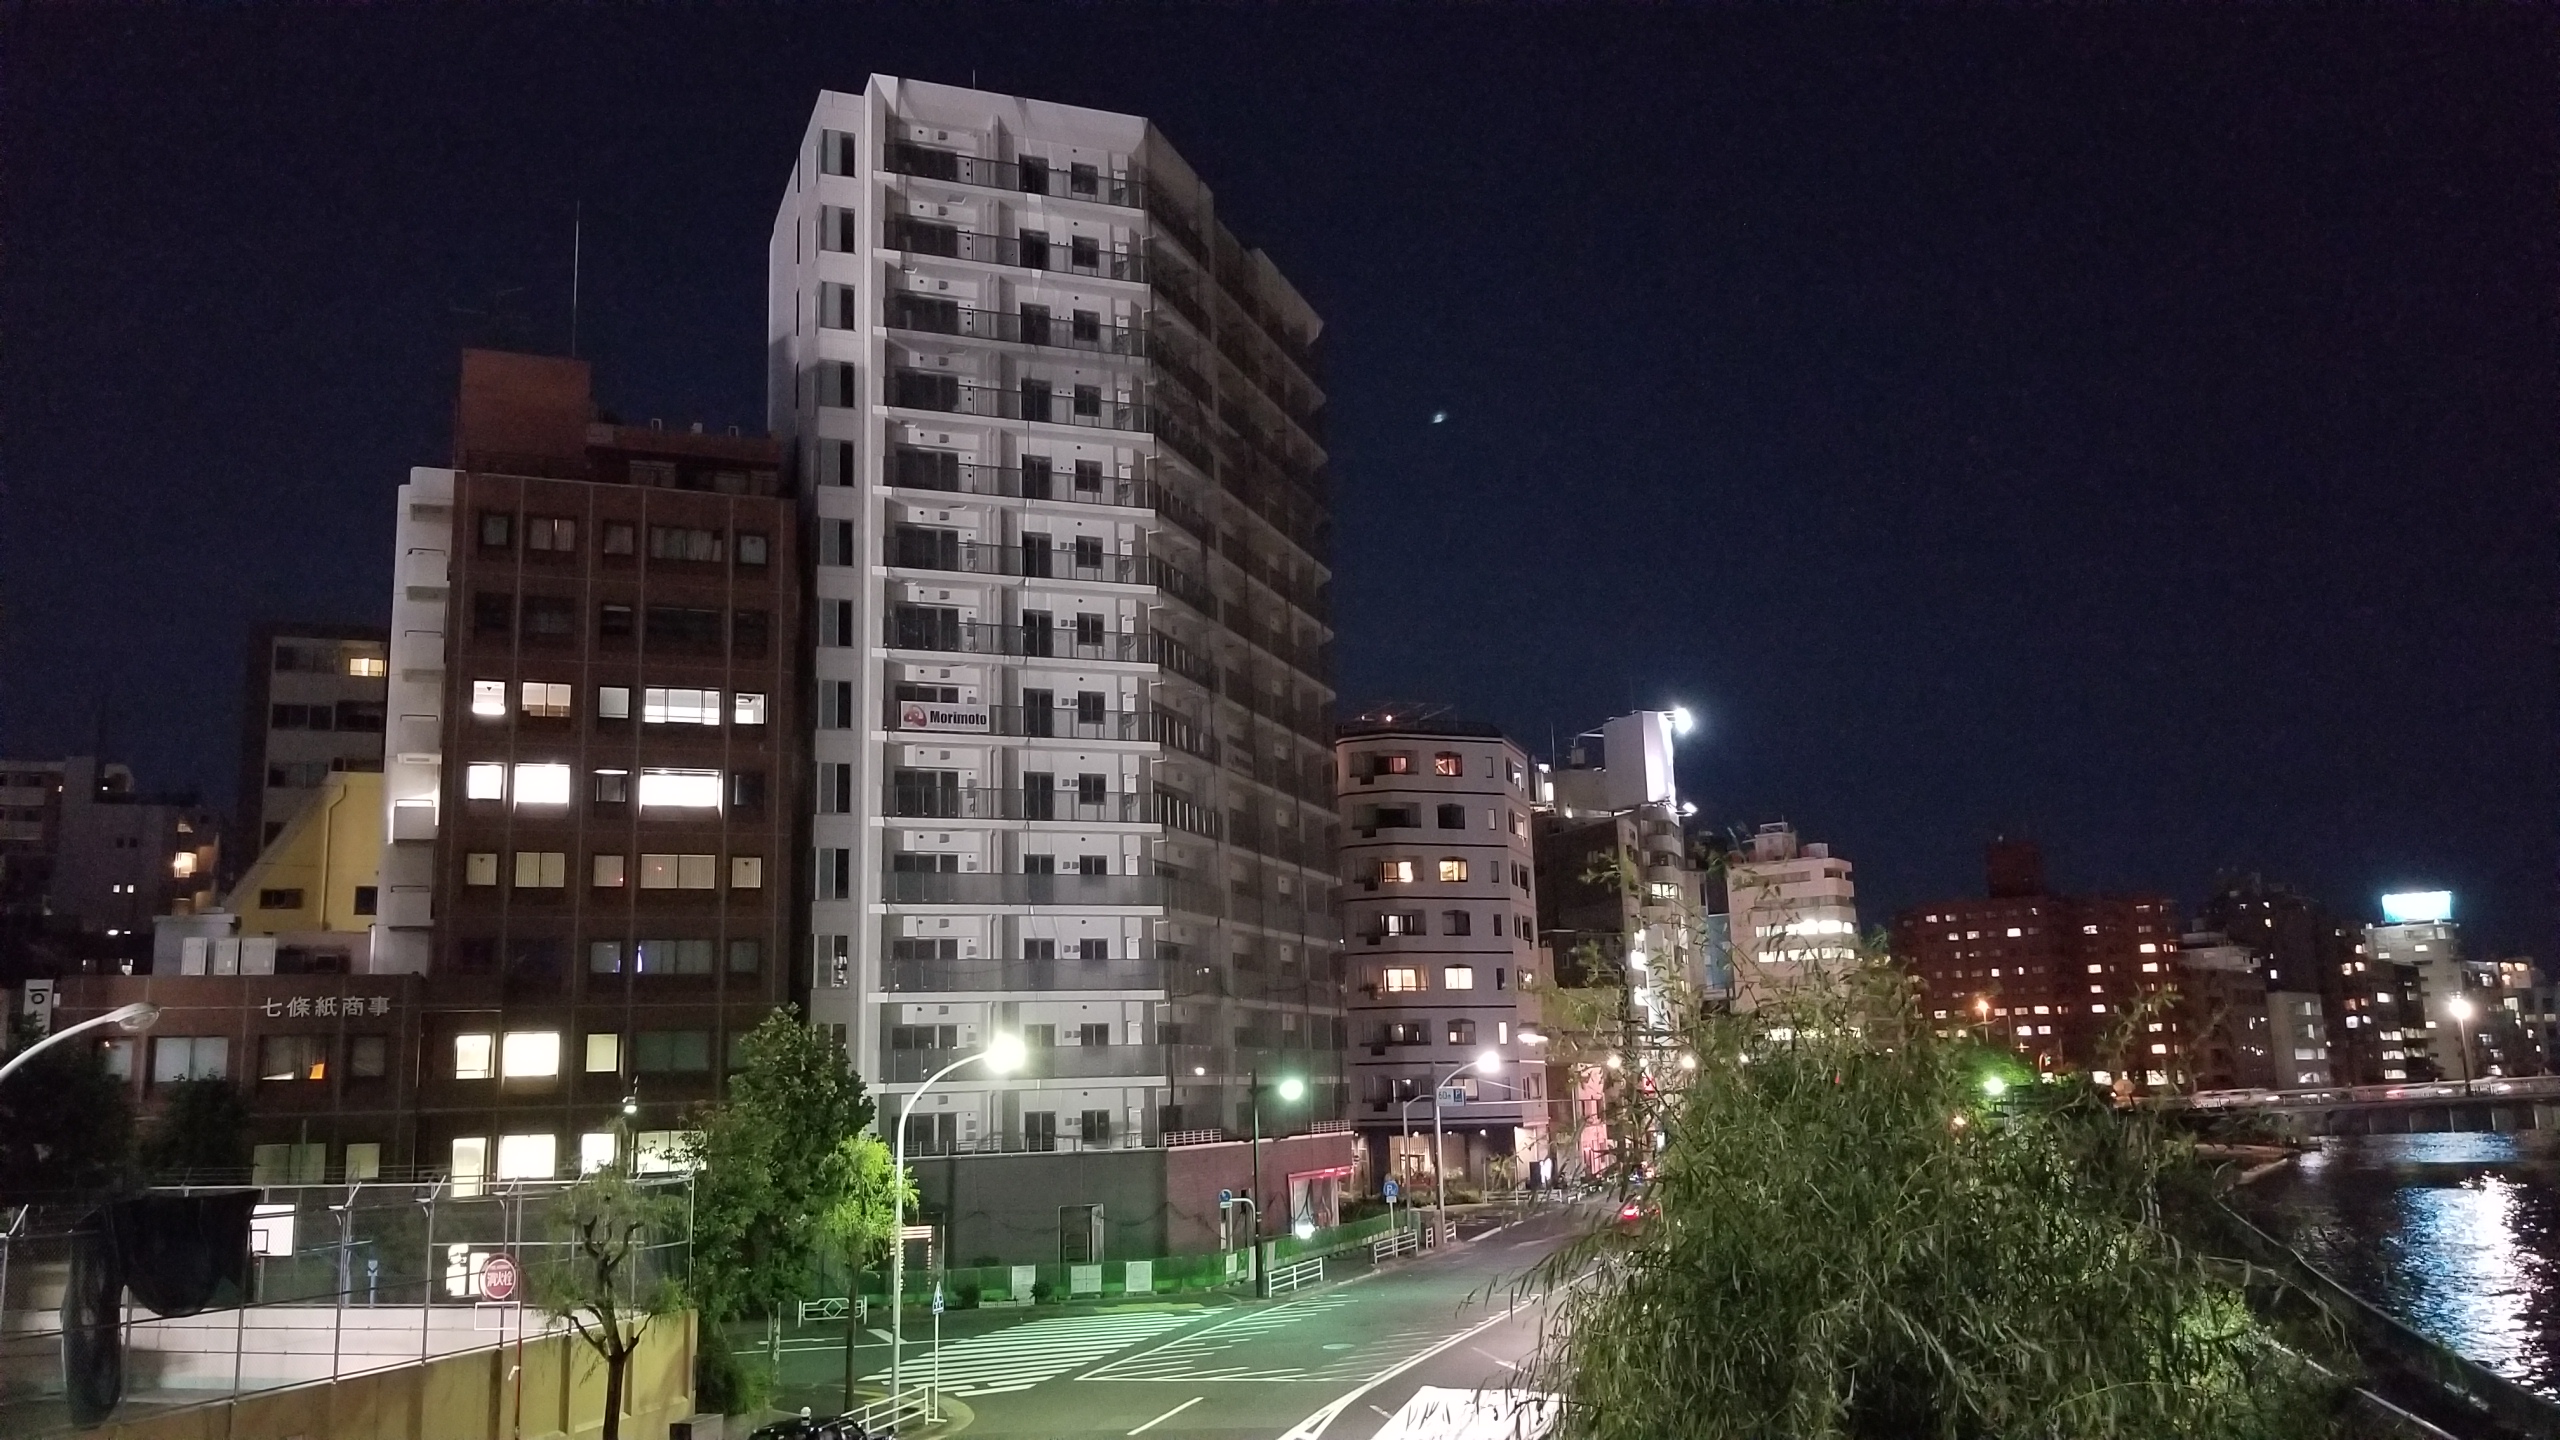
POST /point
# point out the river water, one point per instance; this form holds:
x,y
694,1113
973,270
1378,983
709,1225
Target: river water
x,y
2459,1235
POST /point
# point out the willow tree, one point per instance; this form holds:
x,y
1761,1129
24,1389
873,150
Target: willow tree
x,y
1855,1228
604,1227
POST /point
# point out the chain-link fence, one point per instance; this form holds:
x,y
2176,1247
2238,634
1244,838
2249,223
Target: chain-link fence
x,y
340,1280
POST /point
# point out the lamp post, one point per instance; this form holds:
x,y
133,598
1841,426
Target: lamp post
x,y
1004,1054
137,1016
1290,1088
1488,1063
2460,1008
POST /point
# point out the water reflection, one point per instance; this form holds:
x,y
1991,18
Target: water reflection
x,y
2457,1234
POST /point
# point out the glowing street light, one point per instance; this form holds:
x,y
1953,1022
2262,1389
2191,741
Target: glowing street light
x,y
1004,1054
135,1017
2459,1007
1682,722
1995,1086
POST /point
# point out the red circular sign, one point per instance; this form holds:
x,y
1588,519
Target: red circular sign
x,y
498,1278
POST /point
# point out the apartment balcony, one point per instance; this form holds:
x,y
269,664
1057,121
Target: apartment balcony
x,y
919,795
1084,331
1044,1062
1073,256
993,976
1083,408
923,548
1165,892
1067,722
944,472
942,631
1026,177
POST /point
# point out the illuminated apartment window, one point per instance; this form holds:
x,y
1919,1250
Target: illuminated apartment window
x,y
546,700
604,1053
746,872
748,708
484,780
1452,871
613,702
595,1151
662,706
1448,763
542,784
489,699
1401,980
608,872
480,867
530,1054
677,872
680,789
528,1157
1458,977
541,869
366,667
473,1057
469,1167
1398,763
1395,872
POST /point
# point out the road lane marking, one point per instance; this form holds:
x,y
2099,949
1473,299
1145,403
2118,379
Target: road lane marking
x,y
1314,1426
1021,1356
1169,1414
1496,1359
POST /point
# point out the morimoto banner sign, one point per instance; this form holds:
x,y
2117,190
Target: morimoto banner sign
x,y
930,715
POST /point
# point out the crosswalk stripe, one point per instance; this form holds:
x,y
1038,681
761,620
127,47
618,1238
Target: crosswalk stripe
x,y
1022,1356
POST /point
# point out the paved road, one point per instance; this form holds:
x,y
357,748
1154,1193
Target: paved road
x,y
1334,1363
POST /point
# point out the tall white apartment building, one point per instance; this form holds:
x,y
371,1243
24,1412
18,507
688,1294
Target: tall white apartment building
x,y
1440,908
1060,439
1794,909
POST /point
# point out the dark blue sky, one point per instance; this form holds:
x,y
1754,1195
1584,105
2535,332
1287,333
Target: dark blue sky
x,y
2134,429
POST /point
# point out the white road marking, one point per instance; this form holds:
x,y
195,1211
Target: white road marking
x,y
1169,1414
1022,1356
1496,1359
1314,1426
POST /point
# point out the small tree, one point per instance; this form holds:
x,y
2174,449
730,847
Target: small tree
x,y
865,1222
203,1125
772,1167
605,1222
65,1123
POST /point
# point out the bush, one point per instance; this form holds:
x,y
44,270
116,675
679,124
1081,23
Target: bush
x,y
1042,1292
722,1383
965,1295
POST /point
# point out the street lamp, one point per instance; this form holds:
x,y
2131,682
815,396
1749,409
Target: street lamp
x,y
1004,1054
137,1016
2460,1008
1290,1088
1488,1063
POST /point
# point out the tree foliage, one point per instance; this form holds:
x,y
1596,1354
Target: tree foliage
x,y
773,1168
865,1224
596,1283
203,1125
1847,1235
65,1123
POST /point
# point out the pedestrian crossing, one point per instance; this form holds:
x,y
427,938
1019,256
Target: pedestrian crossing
x,y
1026,1355
1202,1355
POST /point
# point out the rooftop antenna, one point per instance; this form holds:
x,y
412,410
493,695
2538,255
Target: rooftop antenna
x,y
577,254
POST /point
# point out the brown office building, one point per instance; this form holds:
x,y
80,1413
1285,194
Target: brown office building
x,y
589,768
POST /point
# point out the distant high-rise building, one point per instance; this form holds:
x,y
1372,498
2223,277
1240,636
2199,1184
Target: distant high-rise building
x,y
1064,444
591,760
83,849
1439,899
2312,958
312,708
2049,976
1793,912
2420,944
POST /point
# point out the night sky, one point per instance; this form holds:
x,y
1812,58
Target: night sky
x,y
2133,430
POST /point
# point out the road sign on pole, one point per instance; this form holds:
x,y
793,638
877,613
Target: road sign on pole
x,y
937,1297
498,1278
1226,1198
1393,1190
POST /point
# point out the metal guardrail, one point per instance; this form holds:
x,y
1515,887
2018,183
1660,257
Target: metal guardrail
x,y
885,1415
1403,1240
829,1307
1285,1278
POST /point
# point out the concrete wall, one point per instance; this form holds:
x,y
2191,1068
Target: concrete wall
x,y
1155,1202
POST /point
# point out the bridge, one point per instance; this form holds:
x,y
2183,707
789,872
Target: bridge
x,y
2494,1103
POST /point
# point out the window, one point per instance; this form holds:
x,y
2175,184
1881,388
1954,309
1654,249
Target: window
x,y
676,872
604,957
280,899
473,1057
484,780
530,1054
1396,763
367,667
368,1057
613,702
1402,980
1395,872
1462,1032
497,529
546,533
189,1057
675,542
608,872
1453,817
368,899
746,872
293,1057
604,1053
480,867
596,1150
1452,871
662,1051
613,787
618,537
662,706
1096,1124
546,700
747,709
550,617
1458,977
1401,922
835,704
1455,922
751,547
681,626
750,631
528,1157
613,622
680,789
1449,763
746,957
542,785
493,612
746,790
489,699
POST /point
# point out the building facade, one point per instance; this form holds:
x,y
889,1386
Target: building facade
x,y
2311,956
312,708
1439,916
83,849
590,770
1793,913
1063,444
